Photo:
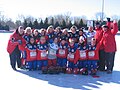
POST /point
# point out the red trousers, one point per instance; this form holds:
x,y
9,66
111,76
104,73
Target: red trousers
x,y
51,62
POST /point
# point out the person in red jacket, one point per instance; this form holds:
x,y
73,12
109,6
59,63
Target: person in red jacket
x,y
109,44
81,56
71,66
93,56
42,49
31,55
98,37
62,54
12,47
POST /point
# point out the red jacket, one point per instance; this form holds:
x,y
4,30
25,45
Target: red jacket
x,y
22,45
108,39
13,42
98,36
93,52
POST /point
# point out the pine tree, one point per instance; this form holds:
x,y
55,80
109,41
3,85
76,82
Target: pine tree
x,y
0,26
69,25
35,24
25,24
119,24
81,24
75,23
52,21
46,23
6,27
63,24
30,24
56,24
41,24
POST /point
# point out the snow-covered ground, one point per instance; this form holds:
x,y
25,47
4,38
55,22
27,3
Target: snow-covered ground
x,y
32,80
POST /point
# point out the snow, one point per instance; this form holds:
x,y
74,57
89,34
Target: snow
x,y
32,80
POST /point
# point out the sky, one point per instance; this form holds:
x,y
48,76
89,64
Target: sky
x,y
44,8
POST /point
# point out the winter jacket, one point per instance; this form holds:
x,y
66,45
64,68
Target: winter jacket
x,y
108,39
13,42
98,36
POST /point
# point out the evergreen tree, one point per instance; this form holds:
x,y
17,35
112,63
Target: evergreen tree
x,y
46,23
119,24
76,24
41,25
69,25
30,24
35,24
0,26
6,27
63,24
25,24
56,24
52,21
81,24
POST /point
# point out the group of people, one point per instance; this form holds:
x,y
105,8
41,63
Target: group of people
x,y
64,51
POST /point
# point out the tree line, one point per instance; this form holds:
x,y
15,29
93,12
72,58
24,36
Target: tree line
x,y
64,21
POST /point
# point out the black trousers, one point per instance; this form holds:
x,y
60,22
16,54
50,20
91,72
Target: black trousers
x,y
15,58
109,58
101,63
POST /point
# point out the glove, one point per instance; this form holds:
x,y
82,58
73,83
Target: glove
x,y
19,41
108,19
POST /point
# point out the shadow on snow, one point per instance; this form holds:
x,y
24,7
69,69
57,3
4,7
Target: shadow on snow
x,y
75,81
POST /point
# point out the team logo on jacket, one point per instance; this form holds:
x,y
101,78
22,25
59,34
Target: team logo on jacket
x,y
64,47
62,52
41,47
72,50
52,52
43,53
82,54
33,54
45,46
71,56
29,47
91,53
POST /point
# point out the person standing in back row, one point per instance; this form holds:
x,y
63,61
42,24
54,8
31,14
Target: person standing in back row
x,y
12,47
109,43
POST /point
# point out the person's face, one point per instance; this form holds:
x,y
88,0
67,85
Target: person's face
x,y
71,43
32,40
36,33
65,32
57,30
55,40
97,26
90,29
21,31
81,41
73,30
51,30
42,40
42,32
63,42
28,31
104,29
80,33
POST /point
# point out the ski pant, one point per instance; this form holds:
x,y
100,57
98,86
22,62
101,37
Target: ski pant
x,y
42,63
62,62
82,64
92,64
109,57
71,65
31,65
15,58
101,63
52,62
